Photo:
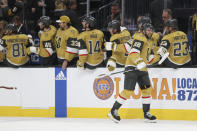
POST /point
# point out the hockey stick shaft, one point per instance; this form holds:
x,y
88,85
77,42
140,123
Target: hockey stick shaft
x,y
104,75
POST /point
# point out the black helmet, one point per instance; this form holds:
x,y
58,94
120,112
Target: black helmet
x,y
172,23
12,27
145,19
85,18
114,24
91,21
146,26
45,20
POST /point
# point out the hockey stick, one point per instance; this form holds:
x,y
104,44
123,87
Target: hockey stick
x,y
104,75
165,56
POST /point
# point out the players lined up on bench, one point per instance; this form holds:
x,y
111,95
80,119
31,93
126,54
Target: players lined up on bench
x,y
66,47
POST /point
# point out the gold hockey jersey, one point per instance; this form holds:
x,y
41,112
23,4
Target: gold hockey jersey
x,y
90,47
177,45
155,39
47,42
140,51
17,49
120,54
64,43
2,56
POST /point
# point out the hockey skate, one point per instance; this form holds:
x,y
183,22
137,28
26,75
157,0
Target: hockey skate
x,y
148,117
113,115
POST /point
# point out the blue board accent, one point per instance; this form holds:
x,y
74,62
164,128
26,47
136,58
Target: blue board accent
x,y
60,93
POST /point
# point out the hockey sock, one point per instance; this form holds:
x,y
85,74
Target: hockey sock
x,y
120,100
146,103
146,107
116,106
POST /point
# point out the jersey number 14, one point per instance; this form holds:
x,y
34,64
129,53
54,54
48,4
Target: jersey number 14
x,y
94,48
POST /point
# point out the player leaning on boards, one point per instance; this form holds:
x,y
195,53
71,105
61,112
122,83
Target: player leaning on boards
x,y
174,46
17,47
47,41
91,45
65,40
155,38
137,59
119,36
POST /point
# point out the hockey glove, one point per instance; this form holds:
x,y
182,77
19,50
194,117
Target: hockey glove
x,y
80,65
35,50
141,65
162,51
1,48
110,46
111,65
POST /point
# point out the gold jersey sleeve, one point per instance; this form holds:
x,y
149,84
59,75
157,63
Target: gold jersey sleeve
x,y
177,45
72,47
16,49
136,34
120,54
2,56
91,43
63,41
156,40
47,42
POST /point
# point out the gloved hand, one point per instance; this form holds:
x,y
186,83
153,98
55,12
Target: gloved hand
x,y
1,48
162,51
111,65
141,65
35,50
110,46
150,58
31,40
80,65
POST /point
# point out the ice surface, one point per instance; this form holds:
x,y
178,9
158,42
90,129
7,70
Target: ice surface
x,y
67,124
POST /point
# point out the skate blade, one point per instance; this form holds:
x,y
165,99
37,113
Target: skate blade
x,y
113,119
150,121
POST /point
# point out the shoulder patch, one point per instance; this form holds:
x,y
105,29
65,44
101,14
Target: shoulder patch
x,y
138,44
165,44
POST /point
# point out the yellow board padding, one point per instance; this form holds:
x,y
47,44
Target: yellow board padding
x,y
16,111
125,113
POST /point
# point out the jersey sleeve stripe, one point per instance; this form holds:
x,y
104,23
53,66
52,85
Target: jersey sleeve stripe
x,y
127,47
83,55
83,51
72,50
133,50
49,51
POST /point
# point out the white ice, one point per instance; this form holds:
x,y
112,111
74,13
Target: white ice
x,y
66,124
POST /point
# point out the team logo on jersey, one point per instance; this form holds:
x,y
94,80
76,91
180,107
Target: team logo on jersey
x,y
103,87
60,76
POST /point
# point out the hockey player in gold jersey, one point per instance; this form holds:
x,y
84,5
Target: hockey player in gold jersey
x,y
47,41
154,40
17,46
2,55
174,46
155,37
136,63
65,40
91,44
116,44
